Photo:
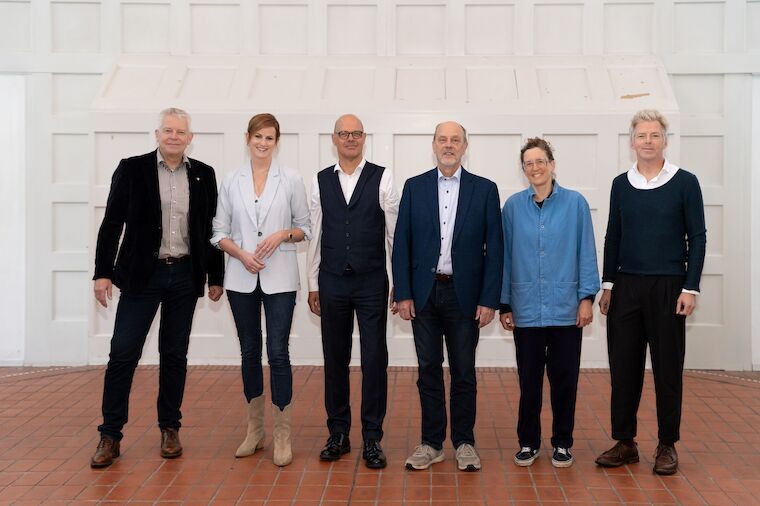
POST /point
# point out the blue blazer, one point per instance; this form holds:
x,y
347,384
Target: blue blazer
x,y
477,247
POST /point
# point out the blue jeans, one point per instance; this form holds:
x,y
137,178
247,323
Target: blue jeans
x,y
278,308
171,287
440,317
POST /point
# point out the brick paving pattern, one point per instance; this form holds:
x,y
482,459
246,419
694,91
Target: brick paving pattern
x,y
48,419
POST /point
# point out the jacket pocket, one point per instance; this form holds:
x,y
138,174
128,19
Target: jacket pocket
x,y
565,300
524,300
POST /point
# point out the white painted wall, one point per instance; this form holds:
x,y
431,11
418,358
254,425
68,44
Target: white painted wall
x,y
13,227
710,50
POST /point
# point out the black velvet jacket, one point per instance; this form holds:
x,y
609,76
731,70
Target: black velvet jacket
x,y
134,206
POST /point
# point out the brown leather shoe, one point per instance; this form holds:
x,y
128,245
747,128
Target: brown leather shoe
x,y
108,449
619,455
171,448
665,459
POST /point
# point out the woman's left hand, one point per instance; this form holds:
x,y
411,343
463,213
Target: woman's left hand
x,y
585,313
270,243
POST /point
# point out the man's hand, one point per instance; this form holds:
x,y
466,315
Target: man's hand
x,y
585,314
686,304
251,262
392,304
270,243
484,315
103,291
314,303
604,301
507,321
215,292
406,309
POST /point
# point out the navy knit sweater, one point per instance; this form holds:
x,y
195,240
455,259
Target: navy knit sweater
x,y
656,232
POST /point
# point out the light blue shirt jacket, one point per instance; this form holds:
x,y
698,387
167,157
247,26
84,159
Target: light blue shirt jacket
x,y
549,257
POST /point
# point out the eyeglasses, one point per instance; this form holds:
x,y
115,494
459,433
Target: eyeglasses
x,y
541,164
344,134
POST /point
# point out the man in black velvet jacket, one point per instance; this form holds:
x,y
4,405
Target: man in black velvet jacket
x,y
164,203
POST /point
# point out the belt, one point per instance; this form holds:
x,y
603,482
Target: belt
x,y
439,276
173,260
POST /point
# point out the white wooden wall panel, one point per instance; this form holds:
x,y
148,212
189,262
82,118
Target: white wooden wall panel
x,y
373,58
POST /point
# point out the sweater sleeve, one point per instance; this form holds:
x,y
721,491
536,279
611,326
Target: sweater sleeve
x,y
612,237
696,233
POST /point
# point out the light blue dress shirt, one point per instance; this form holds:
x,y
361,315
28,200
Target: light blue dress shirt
x,y
448,199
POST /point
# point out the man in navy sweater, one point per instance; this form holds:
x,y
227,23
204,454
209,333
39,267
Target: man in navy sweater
x,y
653,256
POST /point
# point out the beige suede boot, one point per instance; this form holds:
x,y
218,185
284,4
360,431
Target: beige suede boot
x,y
283,454
254,439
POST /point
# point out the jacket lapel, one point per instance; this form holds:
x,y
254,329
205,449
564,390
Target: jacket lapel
x,y
270,190
153,194
463,203
432,188
245,186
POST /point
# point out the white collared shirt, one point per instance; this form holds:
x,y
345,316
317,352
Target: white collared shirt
x,y
388,199
640,182
448,200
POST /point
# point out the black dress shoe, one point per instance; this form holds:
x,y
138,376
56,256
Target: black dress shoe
x,y
337,445
373,454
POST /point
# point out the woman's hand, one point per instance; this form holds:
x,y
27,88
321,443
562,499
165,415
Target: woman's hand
x,y
585,313
251,261
270,243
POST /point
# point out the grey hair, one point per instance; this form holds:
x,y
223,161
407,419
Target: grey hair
x,y
174,111
648,115
464,130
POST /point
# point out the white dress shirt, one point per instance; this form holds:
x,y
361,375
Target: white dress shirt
x,y
387,197
448,200
640,182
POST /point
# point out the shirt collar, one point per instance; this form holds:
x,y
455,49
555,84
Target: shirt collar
x,y
556,188
162,163
356,172
456,176
667,168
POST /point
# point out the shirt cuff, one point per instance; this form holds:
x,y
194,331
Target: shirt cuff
x,y
607,285
693,292
505,308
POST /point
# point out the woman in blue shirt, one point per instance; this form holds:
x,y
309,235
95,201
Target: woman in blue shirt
x,y
548,288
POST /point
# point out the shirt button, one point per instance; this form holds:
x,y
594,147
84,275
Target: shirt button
x,y
260,234
346,222
348,235
348,248
432,270
256,201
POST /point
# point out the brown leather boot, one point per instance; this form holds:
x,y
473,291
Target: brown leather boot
x,y
171,448
108,449
619,455
665,459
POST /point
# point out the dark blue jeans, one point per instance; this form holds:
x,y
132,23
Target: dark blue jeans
x,y
171,287
440,317
278,308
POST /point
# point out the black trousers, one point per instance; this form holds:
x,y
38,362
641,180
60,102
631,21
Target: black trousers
x,y
441,317
559,350
340,297
171,287
643,312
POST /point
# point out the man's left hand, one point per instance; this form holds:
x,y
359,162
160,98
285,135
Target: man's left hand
x,y
484,315
686,304
585,314
215,292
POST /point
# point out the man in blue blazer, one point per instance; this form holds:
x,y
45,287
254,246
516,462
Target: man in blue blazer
x,y
447,262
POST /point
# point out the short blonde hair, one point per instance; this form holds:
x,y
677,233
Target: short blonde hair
x,y
649,115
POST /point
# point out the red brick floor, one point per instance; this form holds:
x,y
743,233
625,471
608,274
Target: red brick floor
x,y
48,419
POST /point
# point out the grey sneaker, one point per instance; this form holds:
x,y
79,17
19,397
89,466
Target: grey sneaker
x,y
468,458
423,457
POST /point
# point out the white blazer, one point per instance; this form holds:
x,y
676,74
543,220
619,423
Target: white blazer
x,y
282,206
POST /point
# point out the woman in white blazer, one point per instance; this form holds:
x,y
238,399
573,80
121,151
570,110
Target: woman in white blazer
x,y
261,214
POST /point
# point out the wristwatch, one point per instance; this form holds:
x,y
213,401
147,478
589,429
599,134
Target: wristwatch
x,y
290,236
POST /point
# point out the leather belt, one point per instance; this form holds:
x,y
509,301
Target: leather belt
x,y
173,260
439,276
